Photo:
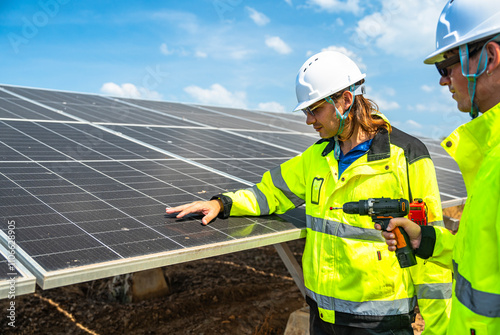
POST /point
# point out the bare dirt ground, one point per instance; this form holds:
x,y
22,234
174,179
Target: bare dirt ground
x,y
248,292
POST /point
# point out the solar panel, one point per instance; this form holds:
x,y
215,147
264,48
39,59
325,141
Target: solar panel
x,y
89,199
87,179
15,279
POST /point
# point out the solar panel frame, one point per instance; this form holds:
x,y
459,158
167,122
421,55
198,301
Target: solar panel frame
x,y
15,279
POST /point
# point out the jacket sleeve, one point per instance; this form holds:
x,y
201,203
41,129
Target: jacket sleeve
x,y
432,282
281,189
442,252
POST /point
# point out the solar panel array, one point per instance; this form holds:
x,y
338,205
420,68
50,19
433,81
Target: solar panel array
x,y
86,179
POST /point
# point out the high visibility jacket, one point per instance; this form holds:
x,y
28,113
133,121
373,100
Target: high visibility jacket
x,y
347,268
474,252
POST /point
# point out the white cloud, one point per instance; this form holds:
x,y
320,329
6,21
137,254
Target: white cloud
x,y
427,88
389,91
259,18
218,46
183,20
164,49
200,54
128,90
238,53
181,52
335,6
289,2
383,103
413,124
403,28
272,107
278,45
421,108
437,107
352,55
217,95
411,127
386,105
444,91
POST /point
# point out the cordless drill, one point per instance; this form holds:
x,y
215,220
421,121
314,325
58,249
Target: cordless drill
x,y
382,210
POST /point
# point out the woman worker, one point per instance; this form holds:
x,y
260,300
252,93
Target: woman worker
x,y
354,285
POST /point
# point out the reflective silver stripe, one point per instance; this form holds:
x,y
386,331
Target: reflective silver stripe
x,y
376,307
343,230
261,200
434,291
280,183
439,223
480,302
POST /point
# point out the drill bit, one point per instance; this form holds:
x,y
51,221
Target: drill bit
x,y
333,208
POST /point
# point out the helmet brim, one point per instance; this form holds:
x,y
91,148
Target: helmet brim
x,y
307,103
437,56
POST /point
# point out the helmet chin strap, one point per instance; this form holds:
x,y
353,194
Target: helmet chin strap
x,y
354,89
472,78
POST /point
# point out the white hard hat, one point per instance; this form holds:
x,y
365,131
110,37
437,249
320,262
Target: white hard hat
x,y
323,75
462,22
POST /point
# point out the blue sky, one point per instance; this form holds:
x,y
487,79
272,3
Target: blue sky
x,y
236,53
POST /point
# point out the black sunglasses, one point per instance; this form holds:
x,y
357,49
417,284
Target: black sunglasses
x,y
443,66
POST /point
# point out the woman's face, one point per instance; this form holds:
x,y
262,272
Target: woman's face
x,y
325,120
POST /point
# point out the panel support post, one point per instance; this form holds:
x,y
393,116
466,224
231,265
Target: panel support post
x,y
292,265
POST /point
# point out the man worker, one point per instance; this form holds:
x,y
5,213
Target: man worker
x,y
468,58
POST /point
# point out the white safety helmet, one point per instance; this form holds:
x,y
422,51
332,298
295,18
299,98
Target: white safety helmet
x,y
324,74
462,22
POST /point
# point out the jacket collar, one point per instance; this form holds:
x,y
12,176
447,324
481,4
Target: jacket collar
x,y
380,148
471,142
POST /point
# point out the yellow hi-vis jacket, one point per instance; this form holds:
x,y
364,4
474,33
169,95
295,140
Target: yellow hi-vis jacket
x,y
347,268
474,252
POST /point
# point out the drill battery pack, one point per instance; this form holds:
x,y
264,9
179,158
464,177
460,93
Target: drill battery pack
x,y
418,212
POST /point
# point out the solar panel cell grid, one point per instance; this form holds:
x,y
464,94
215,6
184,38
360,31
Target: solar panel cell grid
x,y
203,143
203,116
290,121
18,109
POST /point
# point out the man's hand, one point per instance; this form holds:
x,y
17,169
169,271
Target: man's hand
x,y
209,210
412,229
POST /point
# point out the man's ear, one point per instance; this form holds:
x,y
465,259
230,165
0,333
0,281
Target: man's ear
x,y
493,50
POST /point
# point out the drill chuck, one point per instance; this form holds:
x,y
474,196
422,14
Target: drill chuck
x,y
364,207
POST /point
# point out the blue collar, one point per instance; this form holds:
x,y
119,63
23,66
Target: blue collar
x,y
346,160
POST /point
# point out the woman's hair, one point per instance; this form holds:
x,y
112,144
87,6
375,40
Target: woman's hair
x,y
363,113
